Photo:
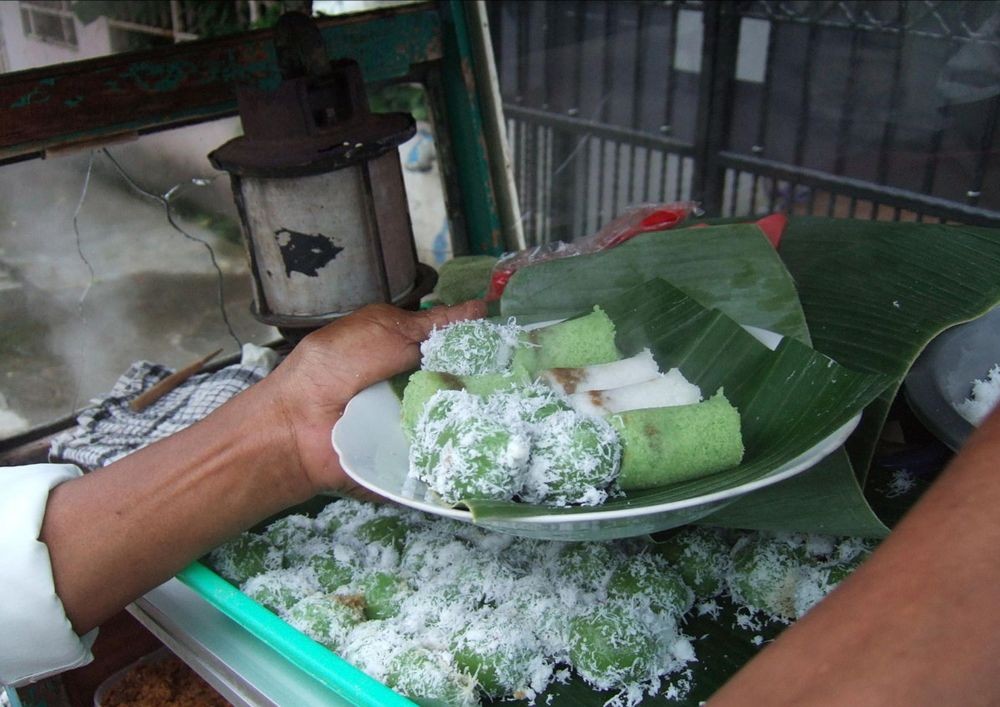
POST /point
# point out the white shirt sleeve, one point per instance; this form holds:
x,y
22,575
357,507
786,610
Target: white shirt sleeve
x,y
37,638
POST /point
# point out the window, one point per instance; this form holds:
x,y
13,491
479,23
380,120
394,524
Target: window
x,y
49,22
93,276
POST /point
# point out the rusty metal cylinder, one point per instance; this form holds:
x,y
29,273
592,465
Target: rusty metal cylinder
x,y
318,185
321,246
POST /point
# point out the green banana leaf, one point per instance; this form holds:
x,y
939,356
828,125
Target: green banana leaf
x,y
789,399
825,499
732,268
876,293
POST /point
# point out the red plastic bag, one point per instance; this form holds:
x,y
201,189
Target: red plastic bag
x,y
635,221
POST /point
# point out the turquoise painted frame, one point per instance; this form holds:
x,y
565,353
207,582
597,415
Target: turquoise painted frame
x,y
347,682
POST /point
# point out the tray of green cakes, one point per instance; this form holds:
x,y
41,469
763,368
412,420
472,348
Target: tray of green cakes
x,y
385,605
605,425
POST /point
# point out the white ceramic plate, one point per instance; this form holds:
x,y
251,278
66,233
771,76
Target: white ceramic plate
x,y
374,452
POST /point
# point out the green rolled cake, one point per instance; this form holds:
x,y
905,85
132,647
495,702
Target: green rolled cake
x,y
419,389
662,446
570,344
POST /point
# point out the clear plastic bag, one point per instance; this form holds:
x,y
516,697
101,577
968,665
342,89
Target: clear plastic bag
x,y
639,219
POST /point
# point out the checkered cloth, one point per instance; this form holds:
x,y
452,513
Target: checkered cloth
x,y
110,429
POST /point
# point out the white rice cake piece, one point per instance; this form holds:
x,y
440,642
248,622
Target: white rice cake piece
x,y
666,390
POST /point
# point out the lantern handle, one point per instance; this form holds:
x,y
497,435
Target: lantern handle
x,y
299,47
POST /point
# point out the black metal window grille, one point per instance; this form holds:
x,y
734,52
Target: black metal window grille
x,y
881,110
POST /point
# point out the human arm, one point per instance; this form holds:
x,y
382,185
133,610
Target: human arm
x,y
917,624
119,531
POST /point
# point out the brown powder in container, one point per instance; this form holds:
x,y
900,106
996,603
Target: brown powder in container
x,y
166,682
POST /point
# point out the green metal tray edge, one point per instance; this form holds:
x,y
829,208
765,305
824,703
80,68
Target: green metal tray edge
x,y
317,661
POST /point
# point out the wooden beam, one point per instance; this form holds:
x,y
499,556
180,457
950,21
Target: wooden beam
x,y
140,92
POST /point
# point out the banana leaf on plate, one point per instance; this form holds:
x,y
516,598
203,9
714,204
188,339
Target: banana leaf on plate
x,y
735,269
870,295
789,399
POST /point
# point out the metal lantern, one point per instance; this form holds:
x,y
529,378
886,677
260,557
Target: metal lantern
x,y
319,189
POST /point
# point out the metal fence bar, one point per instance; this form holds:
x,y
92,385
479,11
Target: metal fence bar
x,y
664,172
594,208
985,148
801,130
846,122
895,96
523,50
937,140
718,69
863,189
637,82
670,94
764,107
576,172
559,192
599,130
811,205
580,171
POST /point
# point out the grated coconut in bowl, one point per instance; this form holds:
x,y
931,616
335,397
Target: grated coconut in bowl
x,y
983,398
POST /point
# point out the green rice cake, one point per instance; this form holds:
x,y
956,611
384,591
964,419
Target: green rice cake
x,y
325,619
430,679
662,446
383,593
461,453
766,573
700,556
609,647
647,579
573,459
470,348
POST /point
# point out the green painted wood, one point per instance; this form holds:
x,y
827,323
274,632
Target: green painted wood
x,y
465,127
144,91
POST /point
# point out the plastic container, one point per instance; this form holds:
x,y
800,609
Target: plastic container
x,y
338,675
161,655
